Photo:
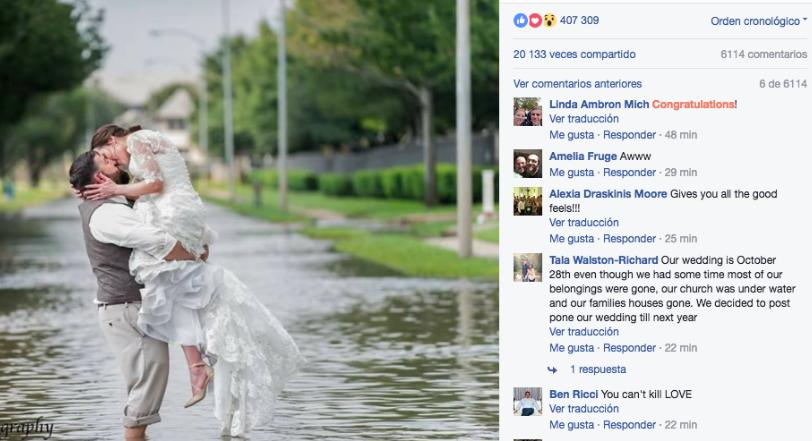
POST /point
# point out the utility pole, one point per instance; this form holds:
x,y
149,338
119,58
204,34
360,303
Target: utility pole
x,y
282,111
429,154
464,196
227,114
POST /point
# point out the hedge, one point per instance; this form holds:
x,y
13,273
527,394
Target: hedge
x,y
266,177
298,180
392,183
334,184
368,183
413,186
407,182
404,182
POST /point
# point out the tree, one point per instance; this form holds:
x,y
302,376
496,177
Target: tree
x,y
55,124
360,73
408,46
327,106
484,63
45,46
525,103
243,141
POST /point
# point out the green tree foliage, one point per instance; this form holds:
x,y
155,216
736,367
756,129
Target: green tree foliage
x,y
351,64
411,43
45,46
326,106
484,63
525,103
213,71
55,124
405,46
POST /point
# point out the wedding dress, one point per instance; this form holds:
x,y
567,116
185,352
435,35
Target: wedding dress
x,y
204,305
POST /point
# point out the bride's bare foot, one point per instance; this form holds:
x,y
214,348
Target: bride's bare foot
x,y
199,375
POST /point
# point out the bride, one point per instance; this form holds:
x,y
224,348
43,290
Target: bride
x,y
201,306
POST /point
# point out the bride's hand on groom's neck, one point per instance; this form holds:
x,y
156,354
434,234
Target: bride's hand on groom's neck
x,y
77,193
101,188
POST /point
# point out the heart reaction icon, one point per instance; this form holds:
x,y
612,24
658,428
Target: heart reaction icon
x,y
535,20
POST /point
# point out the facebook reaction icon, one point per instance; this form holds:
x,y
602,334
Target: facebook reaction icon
x,y
520,20
535,20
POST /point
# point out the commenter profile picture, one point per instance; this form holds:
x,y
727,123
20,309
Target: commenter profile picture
x,y
527,163
527,401
527,267
527,201
527,112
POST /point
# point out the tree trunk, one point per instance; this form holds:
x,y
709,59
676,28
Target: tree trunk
x,y
34,175
36,164
429,154
3,143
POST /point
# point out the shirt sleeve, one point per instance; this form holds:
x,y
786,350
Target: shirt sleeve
x,y
118,224
142,151
209,235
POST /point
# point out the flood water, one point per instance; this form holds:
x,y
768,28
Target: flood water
x,y
390,357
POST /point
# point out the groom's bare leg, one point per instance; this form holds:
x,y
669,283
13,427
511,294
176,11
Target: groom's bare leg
x,y
134,433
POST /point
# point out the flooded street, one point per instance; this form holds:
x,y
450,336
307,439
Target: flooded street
x,y
390,357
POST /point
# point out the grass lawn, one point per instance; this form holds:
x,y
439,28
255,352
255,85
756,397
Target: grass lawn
x,y
28,197
357,207
432,229
406,254
267,212
353,207
488,235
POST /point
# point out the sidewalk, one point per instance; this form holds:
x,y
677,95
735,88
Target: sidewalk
x,y
481,248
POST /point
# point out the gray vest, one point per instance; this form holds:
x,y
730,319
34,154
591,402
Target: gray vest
x,y
110,263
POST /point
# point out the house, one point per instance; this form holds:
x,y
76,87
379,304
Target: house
x,y
173,119
135,115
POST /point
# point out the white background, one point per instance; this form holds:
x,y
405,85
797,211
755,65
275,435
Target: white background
x,y
750,378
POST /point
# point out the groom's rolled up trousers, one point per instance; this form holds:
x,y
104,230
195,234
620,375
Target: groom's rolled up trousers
x,y
144,362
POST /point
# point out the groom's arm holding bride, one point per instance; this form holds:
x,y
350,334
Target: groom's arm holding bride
x,y
118,224
115,222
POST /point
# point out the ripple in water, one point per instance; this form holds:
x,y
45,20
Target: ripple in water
x,y
390,357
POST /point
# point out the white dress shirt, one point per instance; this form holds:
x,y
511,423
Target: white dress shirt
x,y
118,224
528,403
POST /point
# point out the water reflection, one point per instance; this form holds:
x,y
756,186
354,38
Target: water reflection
x,y
349,267
390,357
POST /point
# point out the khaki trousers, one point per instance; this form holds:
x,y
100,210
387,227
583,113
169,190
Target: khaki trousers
x,y
144,362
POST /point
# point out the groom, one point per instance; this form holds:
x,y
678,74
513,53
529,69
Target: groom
x,y
111,231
